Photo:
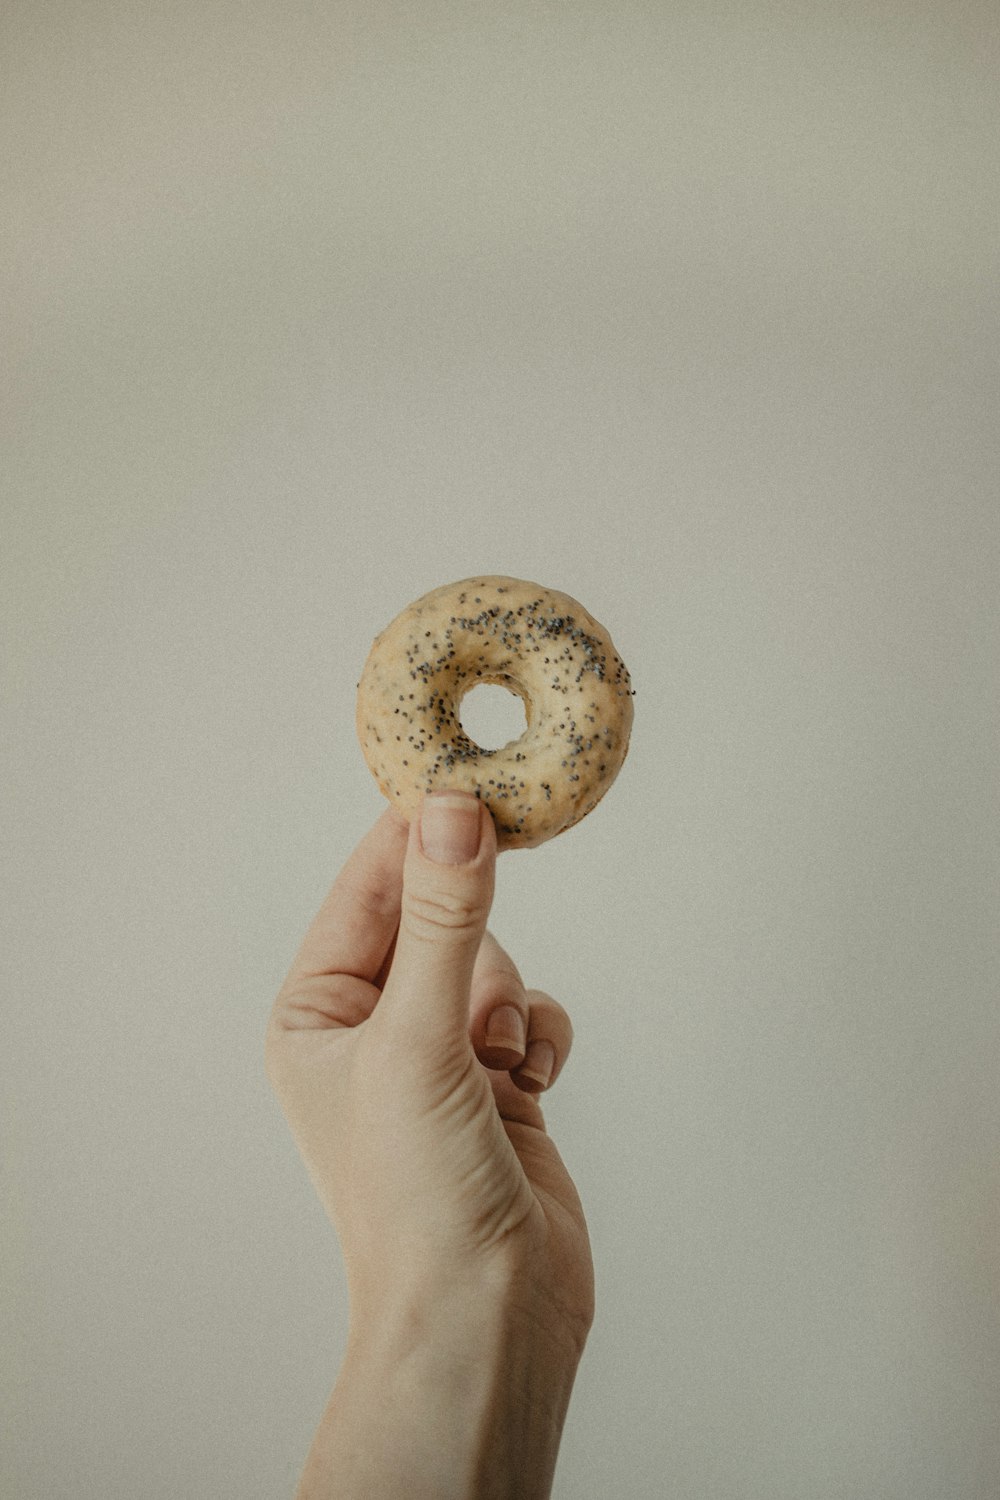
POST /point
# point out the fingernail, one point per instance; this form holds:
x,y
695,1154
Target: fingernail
x,y
449,827
539,1063
505,1028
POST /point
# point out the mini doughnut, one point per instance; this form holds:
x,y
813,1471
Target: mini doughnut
x,y
535,642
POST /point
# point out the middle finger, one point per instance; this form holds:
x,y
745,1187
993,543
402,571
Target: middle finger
x,y
499,1009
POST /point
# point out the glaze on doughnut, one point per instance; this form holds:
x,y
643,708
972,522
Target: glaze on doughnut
x,y
535,642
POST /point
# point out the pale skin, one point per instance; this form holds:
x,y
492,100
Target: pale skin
x,y
408,1057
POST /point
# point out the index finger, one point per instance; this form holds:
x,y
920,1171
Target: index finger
x,y
354,928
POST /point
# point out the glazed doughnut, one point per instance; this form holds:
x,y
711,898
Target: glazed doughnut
x,y
535,642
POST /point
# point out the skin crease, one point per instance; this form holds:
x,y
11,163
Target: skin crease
x,y
463,1237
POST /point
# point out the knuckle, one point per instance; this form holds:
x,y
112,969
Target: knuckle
x,y
376,902
499,989
429,913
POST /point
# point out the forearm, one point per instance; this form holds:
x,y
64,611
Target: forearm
x,y
471,1409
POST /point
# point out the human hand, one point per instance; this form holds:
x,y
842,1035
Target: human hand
x,y
422,1134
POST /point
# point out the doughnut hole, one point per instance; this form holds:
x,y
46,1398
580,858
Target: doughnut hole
x,y
493,716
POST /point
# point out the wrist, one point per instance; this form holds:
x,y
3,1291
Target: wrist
x,y
465,1398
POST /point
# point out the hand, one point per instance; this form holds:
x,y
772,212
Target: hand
x,y
421,1131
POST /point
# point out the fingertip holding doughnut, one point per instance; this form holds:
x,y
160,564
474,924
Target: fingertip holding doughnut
x,y
536,642
451,827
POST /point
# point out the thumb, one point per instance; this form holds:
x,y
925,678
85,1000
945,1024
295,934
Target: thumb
x,y
448,880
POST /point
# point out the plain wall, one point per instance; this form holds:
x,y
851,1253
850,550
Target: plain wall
x,y
688,310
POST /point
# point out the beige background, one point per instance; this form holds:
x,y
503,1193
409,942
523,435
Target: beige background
x,y
689,310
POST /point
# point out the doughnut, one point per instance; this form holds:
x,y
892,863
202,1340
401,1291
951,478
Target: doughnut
x,y
537,643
